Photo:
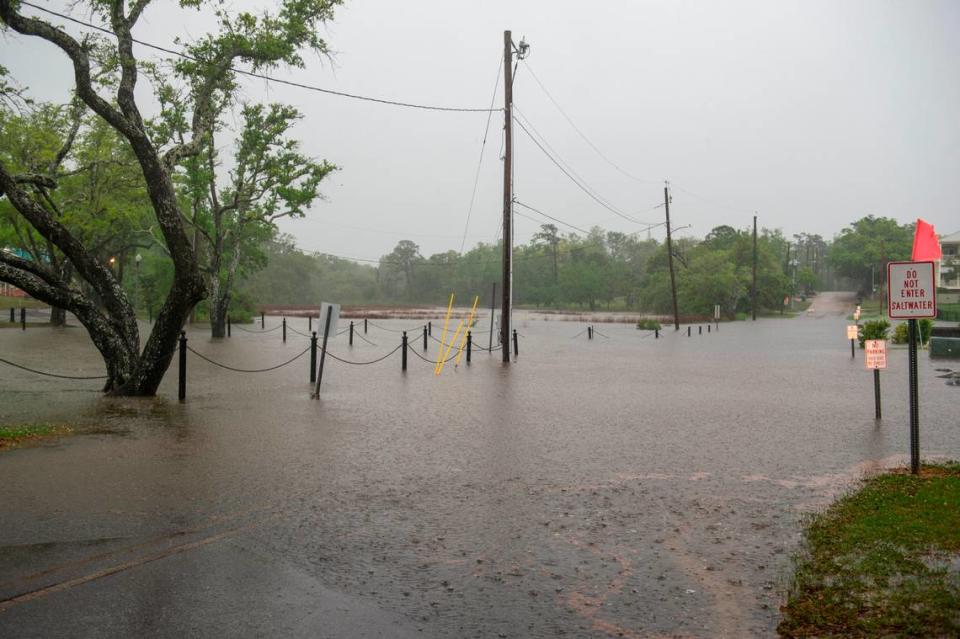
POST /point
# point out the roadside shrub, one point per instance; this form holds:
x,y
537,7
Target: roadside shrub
x,y
901,332
874,329
648,324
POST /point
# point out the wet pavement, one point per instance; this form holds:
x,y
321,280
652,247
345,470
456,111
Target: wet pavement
x,y
629,486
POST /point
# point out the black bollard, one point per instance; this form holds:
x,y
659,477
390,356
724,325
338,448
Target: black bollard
x,y
309,322
425,340
656,333
688,331
589,332
351,333
364,325
23,318
516,347
876,391
708,328
262,323
284,330
182,390
430,328
469,345
13,316
229,330
403,353
853,349
313,357
699,330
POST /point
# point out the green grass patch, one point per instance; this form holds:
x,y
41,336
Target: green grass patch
x,y
13,436
16,302
883,561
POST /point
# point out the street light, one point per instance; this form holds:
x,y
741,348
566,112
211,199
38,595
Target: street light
x,y
137,260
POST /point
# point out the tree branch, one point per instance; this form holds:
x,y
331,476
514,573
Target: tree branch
x,y
78,56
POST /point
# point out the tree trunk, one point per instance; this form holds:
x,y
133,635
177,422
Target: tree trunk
x,y
58,316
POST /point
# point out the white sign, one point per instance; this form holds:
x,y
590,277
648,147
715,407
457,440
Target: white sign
x,y
334,317
912,290
716,311
852,331
876,350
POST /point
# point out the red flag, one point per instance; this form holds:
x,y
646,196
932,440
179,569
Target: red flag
x,y
926,246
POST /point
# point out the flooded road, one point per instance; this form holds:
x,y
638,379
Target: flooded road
x,y
628,486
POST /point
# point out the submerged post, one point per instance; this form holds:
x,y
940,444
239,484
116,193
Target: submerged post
x,y
229,328
351,332
23,318
688,331
182,385
284,330
656,333
469,345
13,315
313,357
323,352
425,339
262,324
876,391
403,353
516,347
309,323
364,325
493,302
430,328
700,330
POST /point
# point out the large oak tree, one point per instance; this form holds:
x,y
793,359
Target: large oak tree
x,y
260,42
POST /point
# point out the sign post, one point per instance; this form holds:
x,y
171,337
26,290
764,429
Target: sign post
x,y
912,295
853,332
876,359
329,315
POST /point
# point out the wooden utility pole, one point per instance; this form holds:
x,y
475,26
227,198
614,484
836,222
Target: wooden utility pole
x,y
673,279
753,294
786,271
507,191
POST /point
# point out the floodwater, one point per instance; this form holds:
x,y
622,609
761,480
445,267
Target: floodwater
x,y
625,486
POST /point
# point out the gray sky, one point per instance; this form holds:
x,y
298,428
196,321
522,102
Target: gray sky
x,y
811,113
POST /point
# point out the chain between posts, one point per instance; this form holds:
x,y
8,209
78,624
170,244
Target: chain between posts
x,y
45,374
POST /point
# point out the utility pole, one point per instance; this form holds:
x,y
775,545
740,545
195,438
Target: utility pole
x,y
786,271
673,278
507,192
883,277
753,293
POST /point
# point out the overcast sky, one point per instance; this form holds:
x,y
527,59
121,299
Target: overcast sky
x,y
811,113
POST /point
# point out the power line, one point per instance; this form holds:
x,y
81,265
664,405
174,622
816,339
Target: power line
x,y
581,133
708,200
549,217
566,164
573,179
483,145
260,76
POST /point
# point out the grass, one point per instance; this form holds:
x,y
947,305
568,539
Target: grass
x,y
882,562
16,302
13,436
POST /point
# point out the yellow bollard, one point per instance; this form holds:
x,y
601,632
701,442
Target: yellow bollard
x,y
443,336
446,353
463,340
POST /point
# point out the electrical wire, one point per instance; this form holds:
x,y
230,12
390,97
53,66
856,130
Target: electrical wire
x,y
483,146
581,133
550,217
573,179
260,76
565,164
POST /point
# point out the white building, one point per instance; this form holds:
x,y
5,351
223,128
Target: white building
x,y
950,262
